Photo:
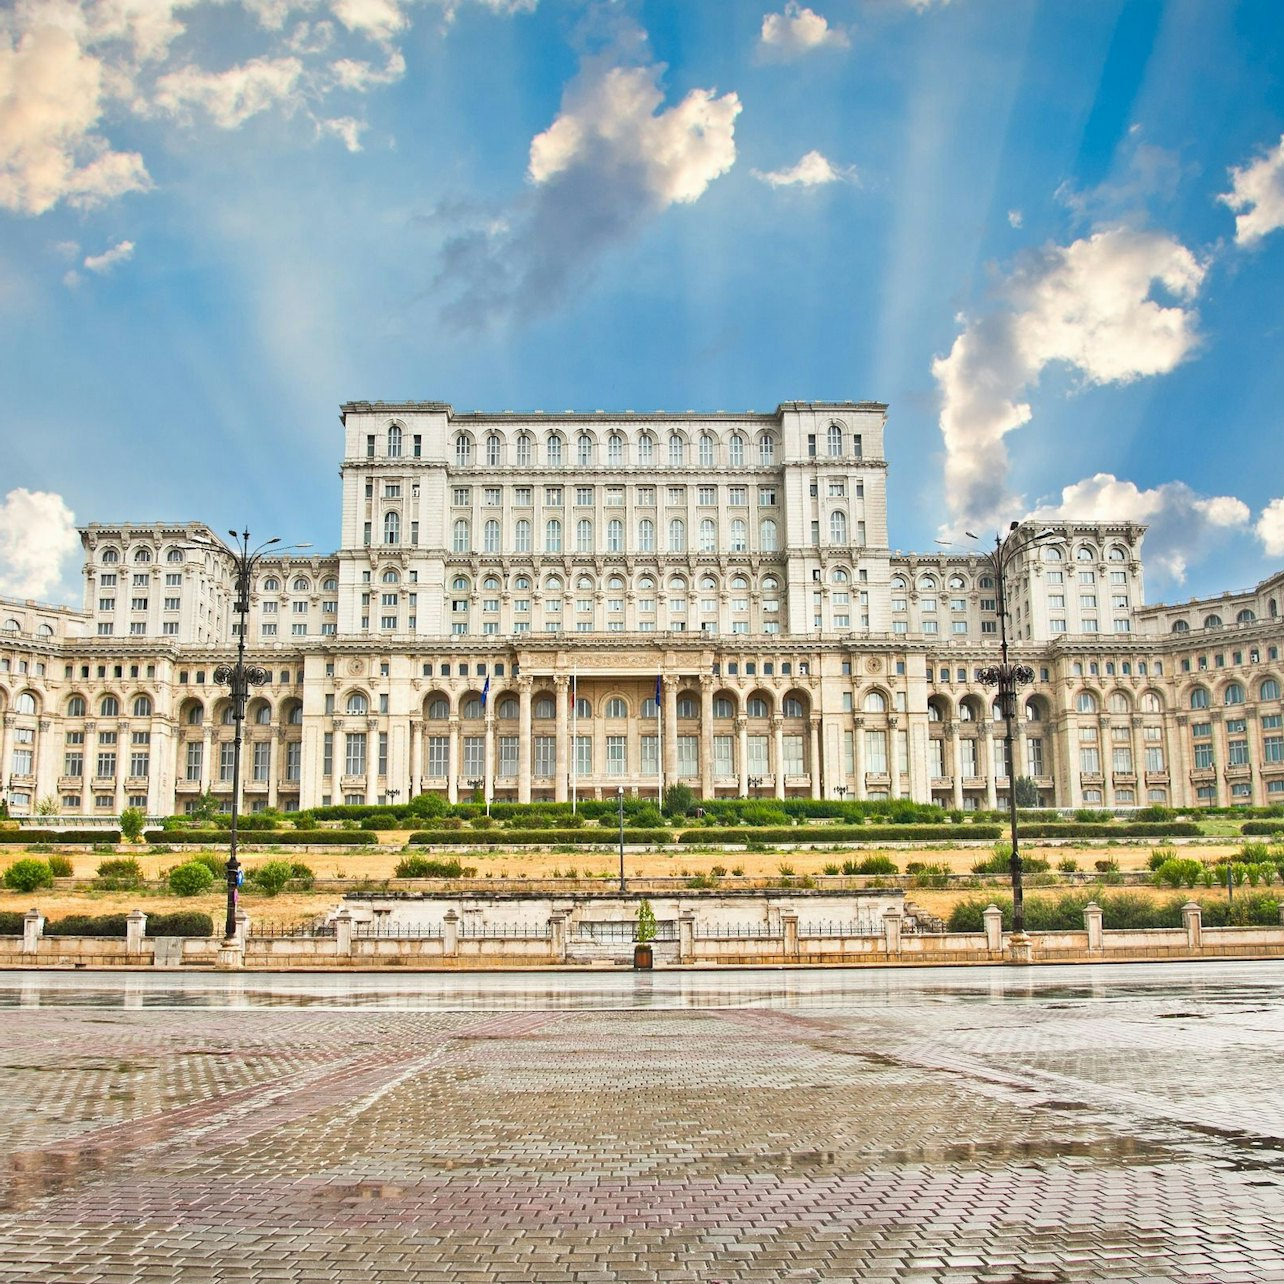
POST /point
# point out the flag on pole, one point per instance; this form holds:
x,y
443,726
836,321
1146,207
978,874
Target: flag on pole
x,y
659,681
486,691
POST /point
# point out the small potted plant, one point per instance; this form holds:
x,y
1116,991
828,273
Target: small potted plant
x,y
643,935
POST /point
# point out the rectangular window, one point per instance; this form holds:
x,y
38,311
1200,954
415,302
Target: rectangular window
x,y
583,755
688,756
195,760
616,755
1154,758
876,751
1121,760
140,762
260,757
226,753
649,749
723,759
507,767
354,756
545,756
1272,749
474,764
793,751
1203,757
438,756
1089,759
1238,753
327,754
967,758
293,760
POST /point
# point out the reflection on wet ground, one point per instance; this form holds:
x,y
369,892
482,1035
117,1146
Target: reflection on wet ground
x,y
1050,988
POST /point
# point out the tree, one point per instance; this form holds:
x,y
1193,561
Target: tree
x,y
191,879
1027,792
131,824
49,806
646,923
679,800
206,810
27,874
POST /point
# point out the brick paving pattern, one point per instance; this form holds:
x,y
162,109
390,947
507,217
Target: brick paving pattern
x,y
1031,1127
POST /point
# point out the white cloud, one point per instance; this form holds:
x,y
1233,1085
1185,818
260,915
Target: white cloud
x,y
1270,528
813,170
1183,526
51,102
354,74
346,128
104,262
37,534
799,30
1015,218
1257,189
230,97
378,20
609,124
1088,305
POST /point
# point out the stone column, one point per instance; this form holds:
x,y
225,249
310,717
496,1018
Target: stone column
x,y
488,755
986,744
450,934
372,761
44,780
670,747
135,931
6,727
1220,755
1182,792
893,757
1092,923
274,763
778,753
452,761
1138,760
993,920
207,755
33,926
789,925
416,757
706,735
956,763
122,764
1105,734
858,755
813,762
892,922
1192,917
523,739
557,936
686,936
561,789
343,934
1258,796
742,754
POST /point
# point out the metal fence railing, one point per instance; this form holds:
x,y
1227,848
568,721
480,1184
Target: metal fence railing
x,y
860,927
738,931
395,931
624,930
276,932
504,931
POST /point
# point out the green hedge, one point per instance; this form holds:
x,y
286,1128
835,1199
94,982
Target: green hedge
x,y
270,838
11,922
843,834
549,837
1119,911
59,836
182,923
1263,827
1124,829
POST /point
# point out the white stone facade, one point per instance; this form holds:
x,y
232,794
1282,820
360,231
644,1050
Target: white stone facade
x,y
741,559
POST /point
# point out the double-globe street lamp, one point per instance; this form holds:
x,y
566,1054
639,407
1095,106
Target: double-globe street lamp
x,y
1008,679
240,677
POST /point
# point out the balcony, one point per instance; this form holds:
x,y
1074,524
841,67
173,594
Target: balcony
x,y
290,786
942,782
1203,776
1042,782
1124,777
1156,778
187,786
70,782
1092,779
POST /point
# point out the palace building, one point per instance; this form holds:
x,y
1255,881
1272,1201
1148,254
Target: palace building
x,y
512,592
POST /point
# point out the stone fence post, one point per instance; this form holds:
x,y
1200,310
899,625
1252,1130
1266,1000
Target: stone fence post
x,y
556,935
450,934
1092,917
993,920
1192,917
686,936
789,926
135,930
892,921
343,934
242,929
33,926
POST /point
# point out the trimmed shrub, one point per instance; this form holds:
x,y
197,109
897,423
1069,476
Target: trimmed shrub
x,y
191,879
77,836
118,874
843,833
60,866
1179,873
1001,863
877,865
213,862
180,923
271,877
131,824
11,922
87,925
423,867
27,874
283,837
545,837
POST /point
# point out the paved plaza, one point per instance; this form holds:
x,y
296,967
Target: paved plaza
x,y
1046,1124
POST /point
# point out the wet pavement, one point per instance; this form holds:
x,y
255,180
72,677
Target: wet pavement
x,y
1019,1125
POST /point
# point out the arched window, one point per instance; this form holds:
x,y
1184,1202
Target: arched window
x,y
394,442
460,584
986,582
792,707
301,585
507,708
1212,622
110,556
584,449
228,716
271,584
1118,703
331,585
677,450
463,450
688,707
543,707
723,707
1180,626
756,707
494,450
838,528
76,707
767,538
677,535
1051,553
708,535
552,535
966,712
523,449
1270,689
462,539
1032,711
522,536
491,584
44,631
490,536
1234,694
616,708
142,706
646,535
296,715
1150,703
472,708
736,450
874,702
583,707
1086,702
195,716
357,703
615,449
438,709
143,555
1085,553
934,713
834,440
392,528
1246,616
766,450
584,535
706,450
554,451
615,536
646,448
263,715
174,555
391,576
739,536
926,584
1199,698
109,708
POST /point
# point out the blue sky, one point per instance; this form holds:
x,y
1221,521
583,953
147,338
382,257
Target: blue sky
x,y
1049,235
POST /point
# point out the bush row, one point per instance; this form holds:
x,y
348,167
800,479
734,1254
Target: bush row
x,y
1264,827
1124,829
284,837
522,837
180,923
840,834
1119,911
9,836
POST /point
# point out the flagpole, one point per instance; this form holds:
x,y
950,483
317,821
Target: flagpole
x,y
575,739
488,746
659,737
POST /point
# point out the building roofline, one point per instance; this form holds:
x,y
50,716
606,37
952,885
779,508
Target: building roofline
x,y
590,416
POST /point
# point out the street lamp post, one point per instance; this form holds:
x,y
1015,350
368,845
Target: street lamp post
x,y
619,794
240,677
754,783
842,791
1008,678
